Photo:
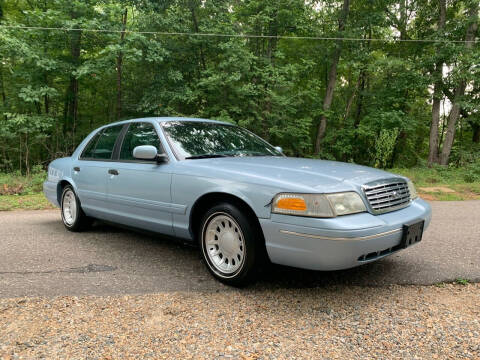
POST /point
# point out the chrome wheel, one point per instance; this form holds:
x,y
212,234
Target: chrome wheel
x,y
224,244
69,207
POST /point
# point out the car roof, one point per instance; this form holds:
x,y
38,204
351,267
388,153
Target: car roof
x,y
167,119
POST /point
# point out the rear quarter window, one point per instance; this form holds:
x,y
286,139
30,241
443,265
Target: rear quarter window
x,y
102,144
89,149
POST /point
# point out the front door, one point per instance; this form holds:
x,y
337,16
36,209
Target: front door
x,y
139,190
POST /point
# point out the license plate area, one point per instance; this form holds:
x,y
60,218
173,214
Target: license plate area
x,y
412,233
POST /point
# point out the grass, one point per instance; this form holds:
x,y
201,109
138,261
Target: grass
x,y
461,281
458,281
20,192
24,202
25,192
18,184
465,181
424,176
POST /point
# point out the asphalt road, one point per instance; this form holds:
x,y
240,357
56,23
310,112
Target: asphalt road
x,y
38,257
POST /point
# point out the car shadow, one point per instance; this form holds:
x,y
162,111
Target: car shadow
x,y
372,274
153,249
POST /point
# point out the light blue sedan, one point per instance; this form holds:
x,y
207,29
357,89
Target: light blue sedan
x,y
239,197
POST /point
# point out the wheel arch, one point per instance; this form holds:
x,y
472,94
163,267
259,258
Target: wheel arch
x,y
60,186
206,201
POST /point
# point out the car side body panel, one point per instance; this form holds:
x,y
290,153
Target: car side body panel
x,y
140,196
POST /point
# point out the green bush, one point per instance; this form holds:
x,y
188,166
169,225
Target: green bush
x,y
18,184
472,172
384,147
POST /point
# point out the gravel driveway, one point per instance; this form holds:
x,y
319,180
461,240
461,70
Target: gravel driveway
x,y
336,322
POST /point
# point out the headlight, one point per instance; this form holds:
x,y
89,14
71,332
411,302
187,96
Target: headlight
x,y
412,190
346,203
318,205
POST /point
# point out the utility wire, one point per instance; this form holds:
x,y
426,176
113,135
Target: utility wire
x,y
161,33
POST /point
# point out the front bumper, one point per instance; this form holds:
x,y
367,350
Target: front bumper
x,y
338,243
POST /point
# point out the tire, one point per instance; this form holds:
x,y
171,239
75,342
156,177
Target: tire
x,y
230,244
73,216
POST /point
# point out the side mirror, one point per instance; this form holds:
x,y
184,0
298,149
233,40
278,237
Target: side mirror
x,y
278,148
148,152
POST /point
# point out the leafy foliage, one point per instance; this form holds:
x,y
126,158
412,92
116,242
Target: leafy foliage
x,y
56,86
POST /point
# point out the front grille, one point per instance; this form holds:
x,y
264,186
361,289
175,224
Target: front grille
x,y
387,195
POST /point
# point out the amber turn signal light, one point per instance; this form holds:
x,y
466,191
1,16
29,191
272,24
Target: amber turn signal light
x,y
292,204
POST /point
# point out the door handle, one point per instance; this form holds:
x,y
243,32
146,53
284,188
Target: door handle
x,y
113,172
76,168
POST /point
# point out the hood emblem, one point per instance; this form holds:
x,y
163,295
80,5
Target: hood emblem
x,y
394,195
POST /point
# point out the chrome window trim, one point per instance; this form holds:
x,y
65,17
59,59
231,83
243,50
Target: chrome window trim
x,y
121,136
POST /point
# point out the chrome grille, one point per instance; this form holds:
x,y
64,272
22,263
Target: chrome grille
x,y
387,195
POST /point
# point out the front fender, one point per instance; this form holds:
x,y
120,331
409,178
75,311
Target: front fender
x,y
187,189
233,192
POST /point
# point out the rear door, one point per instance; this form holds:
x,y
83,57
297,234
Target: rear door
x,y
139,191
90,171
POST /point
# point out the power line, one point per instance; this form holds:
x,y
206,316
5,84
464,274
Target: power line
x,y
161,33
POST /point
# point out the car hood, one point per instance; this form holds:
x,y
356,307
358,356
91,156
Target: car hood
x,y
290,173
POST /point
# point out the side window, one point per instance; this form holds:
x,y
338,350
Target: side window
x,y
90,148
106,142
139,134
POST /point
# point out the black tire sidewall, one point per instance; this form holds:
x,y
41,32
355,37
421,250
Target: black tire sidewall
x,y
77,224
250,234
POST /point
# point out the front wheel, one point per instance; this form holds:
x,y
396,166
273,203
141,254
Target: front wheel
x,y
73,216
230,244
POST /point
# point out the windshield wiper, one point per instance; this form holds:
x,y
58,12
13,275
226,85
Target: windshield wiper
x,y
206,156
258,153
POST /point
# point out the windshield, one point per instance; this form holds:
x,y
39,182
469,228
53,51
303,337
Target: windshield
x,y
197,140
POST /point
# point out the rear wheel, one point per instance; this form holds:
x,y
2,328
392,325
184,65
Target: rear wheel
x,y
73,216
230,244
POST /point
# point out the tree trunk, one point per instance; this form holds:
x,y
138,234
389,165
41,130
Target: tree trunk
x,y
451,125
72,106
476,133
4,96
71,110
437,93
118,112
272,42
351,98
197,30
460,90
20,155
27,156
332,77
361,90
47,104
